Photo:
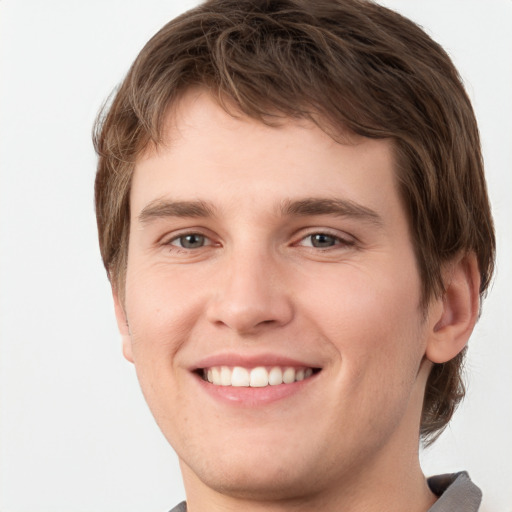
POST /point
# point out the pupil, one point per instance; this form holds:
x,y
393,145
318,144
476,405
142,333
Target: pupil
x,y
322,240
192,241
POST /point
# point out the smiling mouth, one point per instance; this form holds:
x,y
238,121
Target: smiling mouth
x,y
258,377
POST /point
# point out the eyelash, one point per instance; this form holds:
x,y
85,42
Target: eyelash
x,y
182,236
337,241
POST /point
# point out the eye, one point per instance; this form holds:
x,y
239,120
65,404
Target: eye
x,y
190,241
324,241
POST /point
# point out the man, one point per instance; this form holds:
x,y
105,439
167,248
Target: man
x,y
294,219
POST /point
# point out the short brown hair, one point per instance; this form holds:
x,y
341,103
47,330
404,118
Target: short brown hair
x,y
348,64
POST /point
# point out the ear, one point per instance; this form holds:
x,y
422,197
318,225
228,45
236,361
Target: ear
x,y
455,314
122,325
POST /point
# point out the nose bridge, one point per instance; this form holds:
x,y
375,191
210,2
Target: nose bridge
x,y
251,292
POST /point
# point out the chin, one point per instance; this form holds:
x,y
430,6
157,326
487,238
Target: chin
x,y
257,467
261,482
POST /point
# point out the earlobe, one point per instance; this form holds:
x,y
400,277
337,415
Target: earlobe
x,y
122,325
456,313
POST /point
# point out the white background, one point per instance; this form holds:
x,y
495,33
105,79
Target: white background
x,y
75,434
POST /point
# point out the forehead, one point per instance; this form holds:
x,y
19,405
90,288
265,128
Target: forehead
x,y
207,152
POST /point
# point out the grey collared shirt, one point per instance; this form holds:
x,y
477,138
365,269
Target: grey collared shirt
x,y
456,491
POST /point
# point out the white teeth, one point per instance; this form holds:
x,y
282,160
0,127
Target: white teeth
x,y
289,375
275,376
258,377
225,376
239,377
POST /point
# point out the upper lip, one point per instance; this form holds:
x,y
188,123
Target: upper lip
x,y
252,361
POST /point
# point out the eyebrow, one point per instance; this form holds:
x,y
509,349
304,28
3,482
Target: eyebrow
x,y
162,208
330,206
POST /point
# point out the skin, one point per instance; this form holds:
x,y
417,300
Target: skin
x,y
254,284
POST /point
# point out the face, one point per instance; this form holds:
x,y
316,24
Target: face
x,y
272,302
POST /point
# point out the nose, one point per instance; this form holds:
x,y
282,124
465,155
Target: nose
x,y
252,295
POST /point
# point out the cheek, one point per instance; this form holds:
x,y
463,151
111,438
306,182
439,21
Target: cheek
x,y
373,323
161,313
160,319
379,340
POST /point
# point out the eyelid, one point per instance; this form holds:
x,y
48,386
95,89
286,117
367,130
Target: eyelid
x,y
175,238
168,238
344,239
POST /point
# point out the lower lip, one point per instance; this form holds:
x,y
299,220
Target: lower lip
x,y
252,397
